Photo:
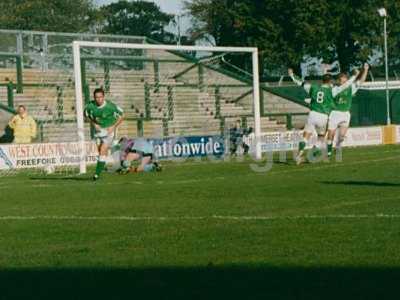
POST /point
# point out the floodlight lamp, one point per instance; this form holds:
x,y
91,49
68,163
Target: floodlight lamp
x,y
382,12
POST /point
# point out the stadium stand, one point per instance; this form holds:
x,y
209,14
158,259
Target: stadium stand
x,y
194,99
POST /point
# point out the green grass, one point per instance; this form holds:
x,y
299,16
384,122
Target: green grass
x,y
202,230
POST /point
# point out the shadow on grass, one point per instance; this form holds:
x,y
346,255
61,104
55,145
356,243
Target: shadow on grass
x,y
284,162
201,283
61,178
362,183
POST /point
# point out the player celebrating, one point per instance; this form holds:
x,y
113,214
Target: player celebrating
x,y
340,115
137,150
321,104
105,117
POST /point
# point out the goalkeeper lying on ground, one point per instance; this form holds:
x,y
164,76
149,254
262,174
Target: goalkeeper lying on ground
x,y
137,150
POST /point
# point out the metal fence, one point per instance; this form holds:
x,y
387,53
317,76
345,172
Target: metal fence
x,y
47,50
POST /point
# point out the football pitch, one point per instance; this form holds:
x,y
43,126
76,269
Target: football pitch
x,y
207,230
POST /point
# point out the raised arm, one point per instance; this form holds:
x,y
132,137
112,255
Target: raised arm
x,y
364,74
300,82
337,90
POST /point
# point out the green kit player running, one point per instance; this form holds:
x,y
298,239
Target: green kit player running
x,y
340,115
105,116
322,97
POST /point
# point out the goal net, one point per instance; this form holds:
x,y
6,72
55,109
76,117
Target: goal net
x,y
182,98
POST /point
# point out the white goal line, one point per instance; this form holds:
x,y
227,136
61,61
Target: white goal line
x,y
201,218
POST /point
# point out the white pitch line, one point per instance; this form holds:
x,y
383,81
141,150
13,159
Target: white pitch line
x,y
200,218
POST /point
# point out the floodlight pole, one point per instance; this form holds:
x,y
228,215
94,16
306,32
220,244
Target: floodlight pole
x,y
388,122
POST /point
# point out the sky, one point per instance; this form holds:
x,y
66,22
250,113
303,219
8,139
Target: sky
x,y
169,6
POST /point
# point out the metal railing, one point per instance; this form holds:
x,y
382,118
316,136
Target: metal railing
x,y
18,68
42,49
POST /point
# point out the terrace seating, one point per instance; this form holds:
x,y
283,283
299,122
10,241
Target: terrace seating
x,y
166,104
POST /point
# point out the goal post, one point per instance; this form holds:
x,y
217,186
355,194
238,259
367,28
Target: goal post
x,y
79,107
77,50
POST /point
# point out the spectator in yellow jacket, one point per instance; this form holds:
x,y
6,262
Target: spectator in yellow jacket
x,y
24,126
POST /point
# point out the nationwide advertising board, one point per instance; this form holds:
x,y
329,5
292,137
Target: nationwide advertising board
x,y
184,147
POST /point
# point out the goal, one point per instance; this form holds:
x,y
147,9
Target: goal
x,y
170,92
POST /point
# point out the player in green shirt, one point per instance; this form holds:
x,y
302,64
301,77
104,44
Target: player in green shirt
x,y
105,117
340,115
322,97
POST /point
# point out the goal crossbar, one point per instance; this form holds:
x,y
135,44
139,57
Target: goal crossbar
x,y
88,44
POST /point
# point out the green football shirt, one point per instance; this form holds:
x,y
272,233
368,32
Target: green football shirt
x,y
344,99
106,115
321,98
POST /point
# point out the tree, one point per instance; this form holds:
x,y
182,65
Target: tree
x,y
136,18
280,29
46,15
356,31
286,32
